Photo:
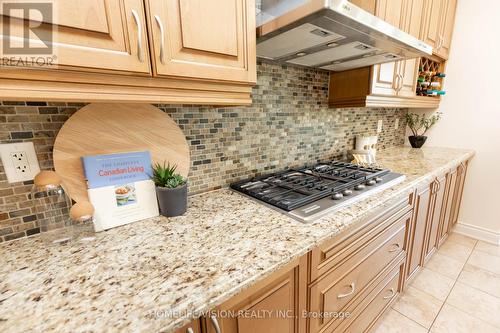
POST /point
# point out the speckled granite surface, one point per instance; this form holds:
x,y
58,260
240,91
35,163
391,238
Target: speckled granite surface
x,y
176,266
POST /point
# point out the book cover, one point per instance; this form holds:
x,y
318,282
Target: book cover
x,y
120,188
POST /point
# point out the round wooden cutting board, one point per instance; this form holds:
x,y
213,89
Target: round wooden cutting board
x,y
116,128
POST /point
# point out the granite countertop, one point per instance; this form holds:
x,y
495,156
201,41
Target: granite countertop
x,y
157,274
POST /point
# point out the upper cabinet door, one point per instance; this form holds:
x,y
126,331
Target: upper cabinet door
x,y
414,17
203,39
438,25
432,22
90,35
448,18
385,79
408,77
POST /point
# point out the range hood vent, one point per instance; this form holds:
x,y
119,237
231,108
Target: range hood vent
x,y
330,34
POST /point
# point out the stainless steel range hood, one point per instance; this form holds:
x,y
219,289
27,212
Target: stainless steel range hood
x,y
330,34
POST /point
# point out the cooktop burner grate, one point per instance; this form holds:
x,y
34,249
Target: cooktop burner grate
x,y
292,189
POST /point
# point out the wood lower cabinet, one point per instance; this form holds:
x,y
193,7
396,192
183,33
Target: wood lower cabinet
x,y
421,215
459,191
451,181
436,211
273,305
341,289
346,283
436,217
193,327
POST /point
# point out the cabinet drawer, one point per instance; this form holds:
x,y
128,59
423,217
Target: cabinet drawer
x,y
344,284
385,293
335,252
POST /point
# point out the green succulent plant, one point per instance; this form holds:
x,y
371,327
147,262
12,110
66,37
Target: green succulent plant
x,y
418,122
165,176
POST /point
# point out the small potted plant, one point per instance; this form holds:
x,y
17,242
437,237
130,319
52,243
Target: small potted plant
x,y
418,122
171,190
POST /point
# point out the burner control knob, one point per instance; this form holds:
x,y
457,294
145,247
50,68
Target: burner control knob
x,y
371,182
378,179
347,192
359,187
337,196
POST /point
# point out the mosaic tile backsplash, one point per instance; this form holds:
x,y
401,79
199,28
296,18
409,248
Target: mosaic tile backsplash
x,y
288,124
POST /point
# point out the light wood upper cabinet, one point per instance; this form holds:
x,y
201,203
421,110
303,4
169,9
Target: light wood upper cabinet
x,y
408,71
397,78
385,77
203,39
432,22
148,51
93,35
448,18
438,25
414,16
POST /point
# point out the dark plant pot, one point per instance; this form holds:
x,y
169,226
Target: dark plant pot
x,y
417,141
172,201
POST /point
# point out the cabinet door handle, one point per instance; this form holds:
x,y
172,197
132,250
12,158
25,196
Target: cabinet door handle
x,y
215,324
353,288
440,42
399,82
391,295
395,83
395,248
162,39
189,330
139,35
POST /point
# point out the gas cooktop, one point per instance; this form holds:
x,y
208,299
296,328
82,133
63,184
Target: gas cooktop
x,y
310,192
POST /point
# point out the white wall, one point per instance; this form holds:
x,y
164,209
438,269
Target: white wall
x,y
471,111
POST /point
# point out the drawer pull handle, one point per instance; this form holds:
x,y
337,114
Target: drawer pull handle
x,y
189,330
215,324
162,39
140,54
395,248
391,295
353,288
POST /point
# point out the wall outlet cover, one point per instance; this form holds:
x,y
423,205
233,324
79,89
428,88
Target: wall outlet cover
x,y
396,123
19,161
379,126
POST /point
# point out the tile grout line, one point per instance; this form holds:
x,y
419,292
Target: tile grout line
x,y
410,319
454,284
455,281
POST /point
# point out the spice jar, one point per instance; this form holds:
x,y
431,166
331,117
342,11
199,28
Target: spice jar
x,y
82,221
51,205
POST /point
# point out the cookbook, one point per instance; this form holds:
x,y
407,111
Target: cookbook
x,y
120,188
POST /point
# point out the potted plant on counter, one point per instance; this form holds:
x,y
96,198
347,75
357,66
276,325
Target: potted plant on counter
x,y
171,190
418,122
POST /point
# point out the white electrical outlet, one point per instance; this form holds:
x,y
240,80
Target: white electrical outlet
x,y
396,123
379,126
19,161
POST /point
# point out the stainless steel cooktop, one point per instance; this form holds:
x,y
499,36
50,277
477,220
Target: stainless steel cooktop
x,y
311,192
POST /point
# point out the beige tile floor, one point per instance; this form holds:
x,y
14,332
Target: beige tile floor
x,y
458,291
